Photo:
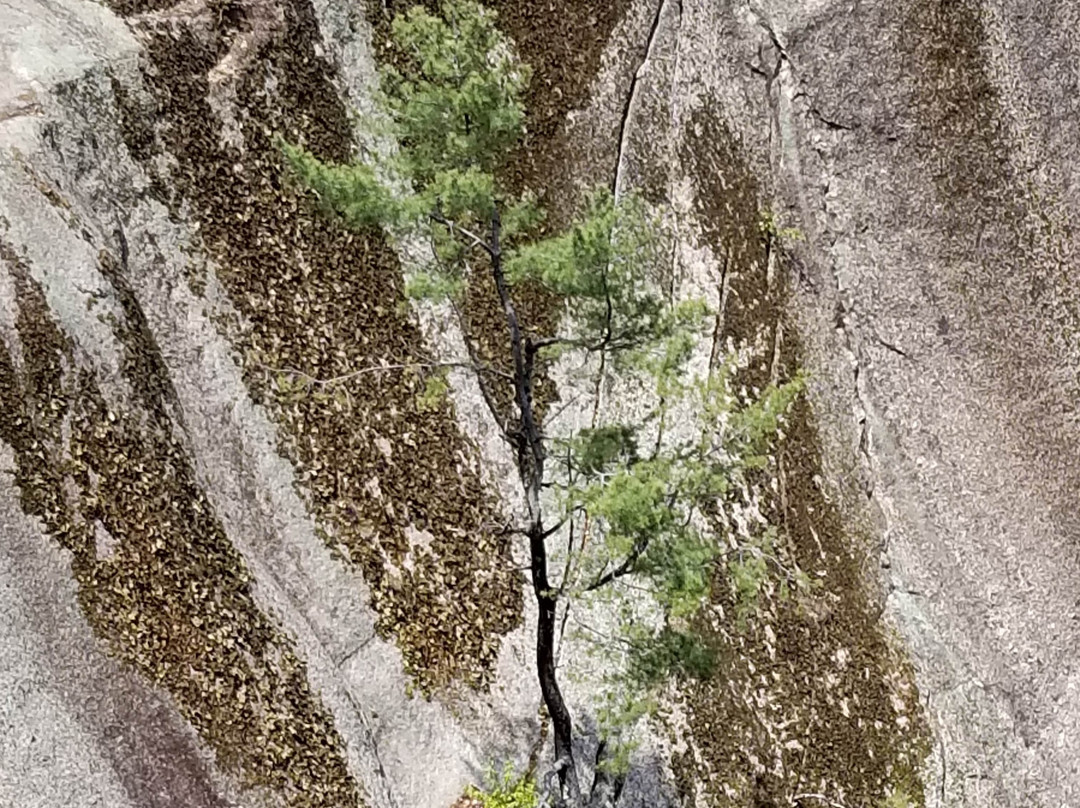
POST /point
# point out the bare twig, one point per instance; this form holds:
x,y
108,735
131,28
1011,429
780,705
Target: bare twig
x,y
603,635
485,389
307,377
625,568
551,416
451,225
799,798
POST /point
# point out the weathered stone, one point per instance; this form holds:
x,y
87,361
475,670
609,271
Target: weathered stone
x,y
164,295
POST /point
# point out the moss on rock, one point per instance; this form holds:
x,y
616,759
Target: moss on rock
x,y
158,580
394,485
814,695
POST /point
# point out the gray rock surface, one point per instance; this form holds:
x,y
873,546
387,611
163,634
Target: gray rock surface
x,y
928,152
928,159
77,726
935,186
80,727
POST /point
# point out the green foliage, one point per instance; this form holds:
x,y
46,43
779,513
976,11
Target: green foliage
x,y
603,449
661,504
654,497
521,217
457,101
436,389
609,263
753,428
505,790
659,655
453,109
750,570
631,504
667,511
772,232
353,191
898,798
619,710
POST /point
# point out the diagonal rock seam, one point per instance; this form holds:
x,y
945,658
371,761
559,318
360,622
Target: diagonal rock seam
x,y
864,411
632,101
808,136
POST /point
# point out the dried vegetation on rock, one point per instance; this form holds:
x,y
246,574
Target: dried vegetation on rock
x,y
158,579
393,484
816,697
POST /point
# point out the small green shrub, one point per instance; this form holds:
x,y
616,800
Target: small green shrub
x,y
898,798
772,232
506,790
436,391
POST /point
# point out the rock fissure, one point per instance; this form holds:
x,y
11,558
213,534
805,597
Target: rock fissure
x,y
632,92
755,312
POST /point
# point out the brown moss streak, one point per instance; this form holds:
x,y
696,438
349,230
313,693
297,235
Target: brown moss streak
x,y
326,301
877,745
172,597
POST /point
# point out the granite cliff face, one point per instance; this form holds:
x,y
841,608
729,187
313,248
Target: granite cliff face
x,y
225,585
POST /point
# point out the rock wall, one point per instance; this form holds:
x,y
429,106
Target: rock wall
x,y
934,186
154,324
816,697
228,583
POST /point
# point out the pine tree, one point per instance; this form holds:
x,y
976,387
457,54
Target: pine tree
x,y
639,502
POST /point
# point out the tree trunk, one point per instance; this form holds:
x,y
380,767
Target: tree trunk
x,y
545,667
530,461
529,446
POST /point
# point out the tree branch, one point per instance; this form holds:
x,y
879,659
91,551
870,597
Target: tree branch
x,y
477,367
551,531
801,798
451,225
532,346
485,390
610,341
551,416
625,568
